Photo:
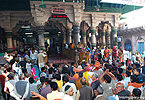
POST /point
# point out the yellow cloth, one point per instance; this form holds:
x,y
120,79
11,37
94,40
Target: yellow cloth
x,y
60,84
87,77
78,83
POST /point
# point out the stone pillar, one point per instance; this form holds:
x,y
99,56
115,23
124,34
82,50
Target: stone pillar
x,y
109,38
69,38
84,41
9,41
40,31
15,41
115,36
76,31
93,37
103,38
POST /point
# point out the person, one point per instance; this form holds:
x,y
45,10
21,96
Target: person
x,y
95,83
68,93
106,52
108,83
84,93
121,55
42,84
47,89
58,81
114,53
28,66
9,87
127,78
41,56
99,93
78,84
136,93
139,75
122,93
133,58
54,94
66,82
43,73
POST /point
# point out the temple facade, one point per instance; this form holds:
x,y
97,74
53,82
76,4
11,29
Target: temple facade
x,y
59,22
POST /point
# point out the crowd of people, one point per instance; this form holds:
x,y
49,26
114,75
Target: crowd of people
x,y
96,76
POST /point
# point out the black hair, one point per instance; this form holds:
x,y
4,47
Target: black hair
x,y
114,68
47,80
107,78
10,76
138,70
65,78
120,70
134,78
119,77
80,74
72,63
115,73
136,92
31,80
129,67
122,63
43,68
128,73
54,86
42,79
9,69
58,77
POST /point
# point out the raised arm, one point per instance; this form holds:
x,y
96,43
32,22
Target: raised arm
x,y
101,77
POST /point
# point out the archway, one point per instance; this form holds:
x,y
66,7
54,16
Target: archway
x,y
128,45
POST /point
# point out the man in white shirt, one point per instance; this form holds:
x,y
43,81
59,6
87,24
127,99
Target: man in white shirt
x,y
68,93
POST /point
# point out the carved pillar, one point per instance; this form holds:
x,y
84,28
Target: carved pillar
x,y
114,36
103,37
69,38
84,41
76,31
109,36
40,31
15,41
9,41
93,37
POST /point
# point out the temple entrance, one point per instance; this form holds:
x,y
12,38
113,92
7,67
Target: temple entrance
x,y
54,38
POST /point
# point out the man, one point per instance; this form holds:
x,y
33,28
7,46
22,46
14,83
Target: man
x,y
106,52
99,93
41,56
43,73
139,75
136,93
66,82
58,81
42,85
46,89
108,83
95,83
121,92
54,95
84,93
127,78
68,93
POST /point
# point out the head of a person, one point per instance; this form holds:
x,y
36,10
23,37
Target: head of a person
x,y
28,61
120,70
120,87
136,71
98,91
65,78
43,69
94,76
54,86
133,78
106,47
58,77
128,73
31,80
136,92
122,63
73,64
47,81
42,79
69,90
83,81
119,77
10,76
50,65
107,79
80,74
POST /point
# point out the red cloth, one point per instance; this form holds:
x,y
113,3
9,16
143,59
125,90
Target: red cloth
x,y
2,80
114,52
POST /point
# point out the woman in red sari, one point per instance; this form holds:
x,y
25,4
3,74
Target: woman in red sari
x,y
114,53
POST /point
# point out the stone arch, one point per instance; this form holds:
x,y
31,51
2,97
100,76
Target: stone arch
x,y
19,36
105,33
127,45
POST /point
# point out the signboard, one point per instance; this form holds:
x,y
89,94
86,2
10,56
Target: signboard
x,y
127,2
58,10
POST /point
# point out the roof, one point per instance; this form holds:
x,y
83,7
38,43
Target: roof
x,y
15,5
131,31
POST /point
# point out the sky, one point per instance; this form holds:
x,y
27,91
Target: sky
x,y
135,18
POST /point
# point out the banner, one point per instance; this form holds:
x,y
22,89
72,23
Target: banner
x,y
127,2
